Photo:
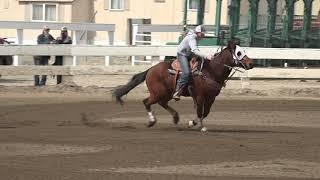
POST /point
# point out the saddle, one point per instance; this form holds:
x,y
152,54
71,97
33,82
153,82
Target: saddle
x,y
176,68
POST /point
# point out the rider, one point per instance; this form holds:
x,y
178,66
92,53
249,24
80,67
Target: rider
x,y
186,49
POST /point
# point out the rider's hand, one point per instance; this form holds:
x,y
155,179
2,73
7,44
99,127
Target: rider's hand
x,y
209,57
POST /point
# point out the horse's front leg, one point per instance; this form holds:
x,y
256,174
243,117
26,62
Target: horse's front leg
x,y
206,110
203,109
195,121
200,117
199,106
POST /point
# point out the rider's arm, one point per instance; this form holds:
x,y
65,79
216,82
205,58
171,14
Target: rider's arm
x,y
68,40
194,48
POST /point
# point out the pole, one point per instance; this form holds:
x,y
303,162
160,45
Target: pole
x,y
200,14
185,15
272,12
306,21
218,19
253,13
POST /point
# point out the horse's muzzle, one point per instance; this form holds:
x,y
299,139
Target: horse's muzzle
x,y
247,63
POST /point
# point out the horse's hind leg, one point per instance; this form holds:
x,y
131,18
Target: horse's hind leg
x,y
147,103
173,112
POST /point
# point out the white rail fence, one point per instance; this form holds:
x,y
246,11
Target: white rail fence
x,y
91,50
80,32
138,38
96,50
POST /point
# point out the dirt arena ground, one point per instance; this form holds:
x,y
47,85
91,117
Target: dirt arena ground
x,y
76,133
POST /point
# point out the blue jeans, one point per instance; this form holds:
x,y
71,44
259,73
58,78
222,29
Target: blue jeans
x,y
40,60
184,78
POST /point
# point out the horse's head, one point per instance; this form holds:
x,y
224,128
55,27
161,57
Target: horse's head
x,y
239,55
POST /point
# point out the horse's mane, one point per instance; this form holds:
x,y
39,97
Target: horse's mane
x,y
231,45
218,57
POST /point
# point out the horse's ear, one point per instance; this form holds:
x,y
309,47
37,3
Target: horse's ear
x,y
236,41
233,42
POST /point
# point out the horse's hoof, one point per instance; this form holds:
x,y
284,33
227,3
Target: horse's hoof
x,y
151,123
204,129
191,124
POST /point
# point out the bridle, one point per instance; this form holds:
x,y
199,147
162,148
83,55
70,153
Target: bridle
x,y
236,61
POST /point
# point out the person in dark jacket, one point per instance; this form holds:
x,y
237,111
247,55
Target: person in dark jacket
x,y
62,39
43,38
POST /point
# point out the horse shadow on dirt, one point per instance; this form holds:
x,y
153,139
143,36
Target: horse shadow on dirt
x,y
244,131
92,120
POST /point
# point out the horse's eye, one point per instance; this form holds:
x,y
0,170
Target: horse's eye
x,y
239,53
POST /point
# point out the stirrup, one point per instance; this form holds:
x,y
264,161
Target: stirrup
x,y
176,95
177,98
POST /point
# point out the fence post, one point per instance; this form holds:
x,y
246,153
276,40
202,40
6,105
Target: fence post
x,y
111,42
134,38
16,59
75,41
245,80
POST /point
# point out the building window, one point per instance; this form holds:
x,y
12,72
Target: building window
x,y
193,4
116,4
4,4
44,12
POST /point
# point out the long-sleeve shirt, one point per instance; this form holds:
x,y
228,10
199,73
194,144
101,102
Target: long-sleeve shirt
x,y
189,45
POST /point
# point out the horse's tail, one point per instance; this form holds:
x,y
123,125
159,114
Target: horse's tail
x,y
122,90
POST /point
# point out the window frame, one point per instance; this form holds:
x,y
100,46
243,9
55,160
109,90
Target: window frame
x,y
122,8
160,1
44,12
196,9
5,4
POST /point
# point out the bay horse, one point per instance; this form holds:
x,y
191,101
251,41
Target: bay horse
x,y
203,88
